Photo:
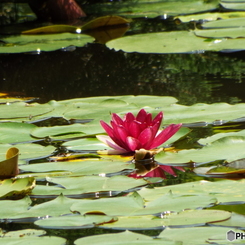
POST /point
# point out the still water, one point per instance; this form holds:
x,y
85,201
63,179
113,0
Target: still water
x,y
95,70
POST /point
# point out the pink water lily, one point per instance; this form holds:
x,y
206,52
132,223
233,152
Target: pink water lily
x,y
136,132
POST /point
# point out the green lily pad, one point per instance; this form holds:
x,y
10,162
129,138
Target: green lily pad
x,y
228,23
229,148
12,208
236,221
87,184
38,43
25,232
29,236
224,190
197,235
82,167
34,240
23,110
134,204
233,5
29,151
21,132
46,209
85,144
222,33
185,218
151,9
173,42
10,188
123,238
209,16
58,132
74,221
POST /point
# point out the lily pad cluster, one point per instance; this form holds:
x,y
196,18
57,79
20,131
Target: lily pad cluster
x,y
224,30
61,166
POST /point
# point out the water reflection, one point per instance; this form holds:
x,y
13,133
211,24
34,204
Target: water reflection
x,y
95,71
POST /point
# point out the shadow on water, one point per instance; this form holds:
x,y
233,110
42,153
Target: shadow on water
x,y
95,70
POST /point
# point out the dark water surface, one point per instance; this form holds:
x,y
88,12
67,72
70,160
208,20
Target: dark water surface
x,y
95,70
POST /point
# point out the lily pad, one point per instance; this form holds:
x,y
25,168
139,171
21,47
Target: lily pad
x,y
21,132
85,167
38,43
29,151
227,148
88,184
197,235
23,110
185,218
74,221
122,238
12,208
135,205
228,23
151,9
58,132
27,236
224,190
11,188
222,33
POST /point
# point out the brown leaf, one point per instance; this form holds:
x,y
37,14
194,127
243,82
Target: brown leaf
x,y
9,167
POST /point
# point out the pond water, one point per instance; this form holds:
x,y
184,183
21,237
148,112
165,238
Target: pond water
x,y
96,70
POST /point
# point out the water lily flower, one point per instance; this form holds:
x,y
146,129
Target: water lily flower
x,y
131,133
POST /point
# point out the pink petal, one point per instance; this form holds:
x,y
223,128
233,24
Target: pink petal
x,y
167,133
118,120
119,135
107,128
108,141
145,137
123,134
133,143
148,119
158,118
129,117
134,129
155,128
141,115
